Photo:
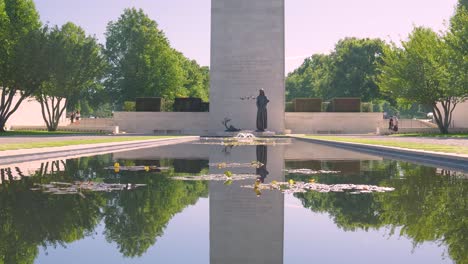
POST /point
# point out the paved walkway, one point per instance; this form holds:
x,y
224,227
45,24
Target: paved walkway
x,y
431,158
22,155
46,138
421,140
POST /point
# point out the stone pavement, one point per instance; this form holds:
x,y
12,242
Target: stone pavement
x,y
23,155
430,158
46,138
422,140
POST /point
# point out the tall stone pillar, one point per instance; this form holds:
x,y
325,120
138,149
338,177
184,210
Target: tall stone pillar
x,y
247,54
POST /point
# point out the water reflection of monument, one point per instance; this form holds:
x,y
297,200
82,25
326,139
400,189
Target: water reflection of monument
x,y
245,228
262,154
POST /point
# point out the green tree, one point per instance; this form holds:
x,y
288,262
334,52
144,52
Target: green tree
x,y
21,62
349,71
354,69
311,79
195,79
419,72
76,67
142,63
457,42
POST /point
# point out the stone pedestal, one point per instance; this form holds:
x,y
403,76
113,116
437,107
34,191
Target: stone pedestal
x,y
233,134
247,54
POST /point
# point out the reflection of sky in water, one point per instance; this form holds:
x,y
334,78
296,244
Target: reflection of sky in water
x,y
185,240
205,230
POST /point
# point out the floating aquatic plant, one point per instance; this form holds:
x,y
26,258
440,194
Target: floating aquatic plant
x,y
222,165
136,168
300,187
217,177
77,187
310,172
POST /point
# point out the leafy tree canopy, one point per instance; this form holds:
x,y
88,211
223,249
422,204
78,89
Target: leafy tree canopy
x,y
349,71
75,69
422,71
20,64
141,60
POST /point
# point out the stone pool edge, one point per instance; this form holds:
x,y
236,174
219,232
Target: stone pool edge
x,y
24,155
444,160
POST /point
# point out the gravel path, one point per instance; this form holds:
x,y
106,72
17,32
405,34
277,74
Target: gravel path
x,y
421,140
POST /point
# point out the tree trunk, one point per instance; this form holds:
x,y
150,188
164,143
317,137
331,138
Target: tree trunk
x,y
2,125
7,108
443,114
53,112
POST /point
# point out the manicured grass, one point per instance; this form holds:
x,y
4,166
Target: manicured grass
x,y
44,133
465,135
61,143
399,144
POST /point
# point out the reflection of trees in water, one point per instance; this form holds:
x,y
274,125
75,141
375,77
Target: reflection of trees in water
x,y
133,219
425,205
32,219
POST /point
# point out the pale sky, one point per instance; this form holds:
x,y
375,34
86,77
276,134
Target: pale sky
x,y
312,26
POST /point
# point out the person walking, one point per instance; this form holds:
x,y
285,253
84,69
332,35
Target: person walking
x,y
77,116
395,124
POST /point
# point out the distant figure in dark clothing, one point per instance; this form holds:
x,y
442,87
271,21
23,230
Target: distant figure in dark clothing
x,y
262,116
72,117
390,123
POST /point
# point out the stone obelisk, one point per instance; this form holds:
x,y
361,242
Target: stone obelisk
x,y
247,54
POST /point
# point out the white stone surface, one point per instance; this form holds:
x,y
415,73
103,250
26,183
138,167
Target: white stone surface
x,y
334,123
197,123
162,122
460,115
247,54
29,114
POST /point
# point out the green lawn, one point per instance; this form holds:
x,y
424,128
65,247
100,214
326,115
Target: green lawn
x,y
465,135
44,133
387,143
61,143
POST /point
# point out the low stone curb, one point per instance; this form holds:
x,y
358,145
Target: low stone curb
x,y
23,155
443,160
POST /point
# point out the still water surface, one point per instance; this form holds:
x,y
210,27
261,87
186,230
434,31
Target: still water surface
x,y
168,221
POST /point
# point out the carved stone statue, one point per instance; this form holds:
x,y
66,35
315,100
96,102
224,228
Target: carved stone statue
x,y
229,128
262,117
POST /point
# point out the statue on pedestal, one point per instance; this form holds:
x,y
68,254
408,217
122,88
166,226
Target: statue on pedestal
x,y
262,116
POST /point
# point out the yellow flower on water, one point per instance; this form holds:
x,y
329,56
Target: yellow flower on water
x,y
228,174
258,192
228,182
116,165
147,168
312,180
291,181
274,182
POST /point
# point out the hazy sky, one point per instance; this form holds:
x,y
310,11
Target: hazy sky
x,y
312,26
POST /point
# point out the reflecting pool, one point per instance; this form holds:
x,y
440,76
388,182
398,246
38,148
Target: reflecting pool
x,y
424,220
